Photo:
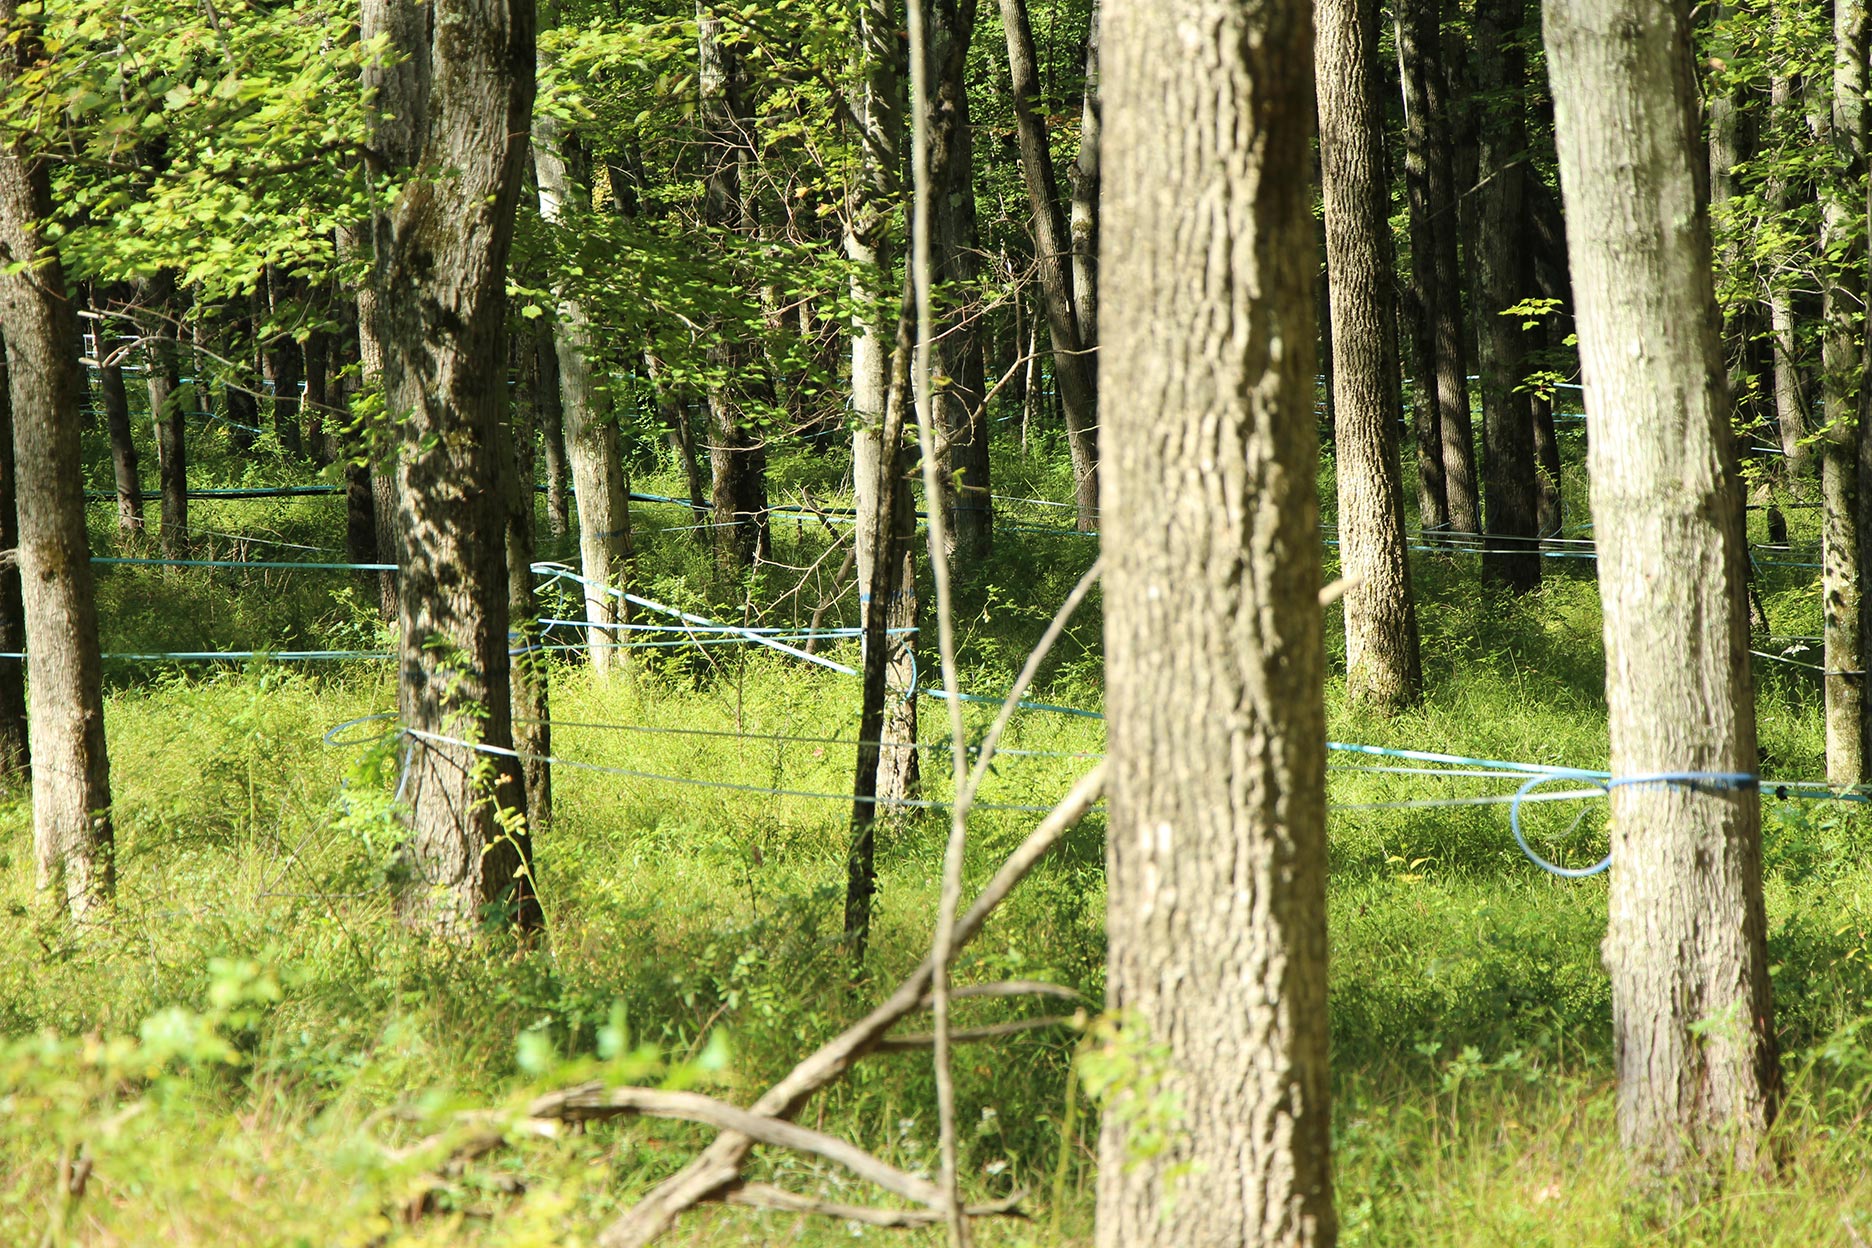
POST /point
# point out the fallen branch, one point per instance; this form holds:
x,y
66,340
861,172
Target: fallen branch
x,y
779,1200
923,1040
719,1165
1011,988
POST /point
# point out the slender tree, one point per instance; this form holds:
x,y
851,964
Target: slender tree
x,y
115,401
955,246
1843,291
1382,664
1510,484
738,453
15,743
71,770
453,107
1074,373
529,677
168,406
588,425
886,507
1692,1018
1216,854
1419,305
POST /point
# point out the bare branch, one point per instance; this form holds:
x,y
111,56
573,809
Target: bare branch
x,y
923,1040
720,1163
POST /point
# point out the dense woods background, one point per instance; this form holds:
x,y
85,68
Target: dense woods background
x,y
555,551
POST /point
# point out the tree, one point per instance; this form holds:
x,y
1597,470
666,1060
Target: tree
x,y
71,770
739,454
1509,483
955,244
1685,943
1215,666
115,401
589,426
1382,664
454,101
1843,290
1074,372
1435,233
1413,24
15,732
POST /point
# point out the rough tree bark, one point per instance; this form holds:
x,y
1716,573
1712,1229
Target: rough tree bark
x,y
588,425
1074,370
1842,301
1694,1038
1216,853
453,113
1382,663
1510,484
71,771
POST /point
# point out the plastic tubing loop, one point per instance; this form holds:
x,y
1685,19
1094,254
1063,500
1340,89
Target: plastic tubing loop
x,y
335,736
1688,779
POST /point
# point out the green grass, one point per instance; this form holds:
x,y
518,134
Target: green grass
x,y
242,1045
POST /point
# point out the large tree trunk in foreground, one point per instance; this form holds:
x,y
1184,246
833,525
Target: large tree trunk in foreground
x,y
439,275
1685,931
1382,664
589,428
1510,486
1217,846
71,771
1074,370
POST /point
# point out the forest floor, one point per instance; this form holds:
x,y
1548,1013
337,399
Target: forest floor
x,y
237,1051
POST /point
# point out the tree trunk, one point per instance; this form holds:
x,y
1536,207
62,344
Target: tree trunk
x,y
15,731
1382,664
1685,939
283,365
529,680
1083,221
1420,304
439,312
589,428
1842,300
955,245
1510,482
1216,857
319,417
1074,370
1446,312
71,771
549,405
878,578
1790,395
882,497
738,456
167,410
124,469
